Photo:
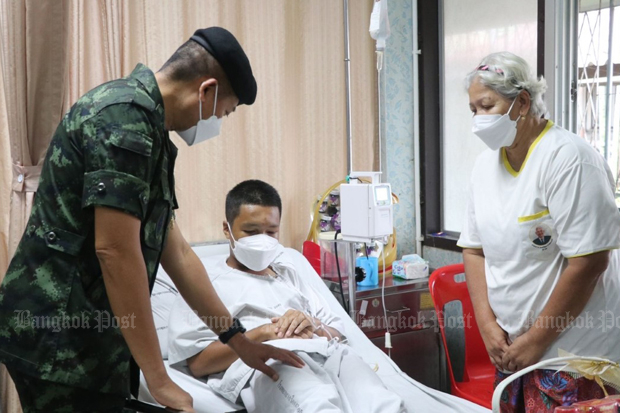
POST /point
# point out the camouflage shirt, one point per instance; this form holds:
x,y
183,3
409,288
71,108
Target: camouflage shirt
x,y
109,150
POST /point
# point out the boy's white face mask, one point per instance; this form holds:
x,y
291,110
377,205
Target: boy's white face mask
x,y
256,252
205,129
496,131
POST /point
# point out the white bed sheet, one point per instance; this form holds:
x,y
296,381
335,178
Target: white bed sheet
x,y
417,397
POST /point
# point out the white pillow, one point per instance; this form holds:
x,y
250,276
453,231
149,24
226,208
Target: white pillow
x,y
162,297
164,291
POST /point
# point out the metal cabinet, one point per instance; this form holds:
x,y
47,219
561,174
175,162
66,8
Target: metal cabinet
x,y
418,354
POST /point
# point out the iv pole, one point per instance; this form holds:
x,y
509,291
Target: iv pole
x,y
347,81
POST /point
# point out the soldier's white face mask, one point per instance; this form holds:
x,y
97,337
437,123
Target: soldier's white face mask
x,y
256,252
205,129
496,131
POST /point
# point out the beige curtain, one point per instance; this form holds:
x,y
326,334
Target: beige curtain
x,y
5,182
294,135
53,51
7,391
32,57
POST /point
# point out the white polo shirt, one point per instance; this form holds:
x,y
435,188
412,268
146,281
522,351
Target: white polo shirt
x,y
559,205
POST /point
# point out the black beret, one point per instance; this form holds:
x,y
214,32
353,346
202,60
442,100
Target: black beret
x,y
223,46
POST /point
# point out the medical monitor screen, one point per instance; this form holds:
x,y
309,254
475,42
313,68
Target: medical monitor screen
x,y
382,194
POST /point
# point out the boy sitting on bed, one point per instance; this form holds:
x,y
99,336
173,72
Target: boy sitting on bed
x,y
262,284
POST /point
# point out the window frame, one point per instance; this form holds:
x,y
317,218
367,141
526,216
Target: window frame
x,y
430,27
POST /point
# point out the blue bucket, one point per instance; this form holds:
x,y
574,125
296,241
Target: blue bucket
x,y
371,266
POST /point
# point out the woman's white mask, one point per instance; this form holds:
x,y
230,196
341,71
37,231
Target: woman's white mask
x,y
205,129
496,131
256,252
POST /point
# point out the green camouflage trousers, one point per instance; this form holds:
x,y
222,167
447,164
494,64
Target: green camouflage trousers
x,y
38,395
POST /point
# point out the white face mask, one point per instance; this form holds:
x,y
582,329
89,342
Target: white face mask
x,y
256,252
496,131
205,129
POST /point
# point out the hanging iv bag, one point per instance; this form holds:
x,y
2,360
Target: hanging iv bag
x,y
379,23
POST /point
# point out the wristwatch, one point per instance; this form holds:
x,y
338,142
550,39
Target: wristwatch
x,y
235,328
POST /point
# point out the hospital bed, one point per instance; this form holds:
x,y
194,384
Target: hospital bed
x,y
417,397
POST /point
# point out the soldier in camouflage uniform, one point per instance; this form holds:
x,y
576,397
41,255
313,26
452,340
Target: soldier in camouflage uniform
x,y
75,314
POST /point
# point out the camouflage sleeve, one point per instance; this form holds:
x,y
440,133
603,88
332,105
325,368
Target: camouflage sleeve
x,y
117,147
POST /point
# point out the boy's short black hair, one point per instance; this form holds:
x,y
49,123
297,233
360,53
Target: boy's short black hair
x,y
251,192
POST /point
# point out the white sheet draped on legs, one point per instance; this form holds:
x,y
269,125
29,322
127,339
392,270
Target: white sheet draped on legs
x,y
341,382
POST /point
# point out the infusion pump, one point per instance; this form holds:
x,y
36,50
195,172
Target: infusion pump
x,y
365,208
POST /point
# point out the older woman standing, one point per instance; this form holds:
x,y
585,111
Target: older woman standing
x,y
539,240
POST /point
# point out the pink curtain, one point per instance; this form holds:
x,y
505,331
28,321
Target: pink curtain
x,y
53,51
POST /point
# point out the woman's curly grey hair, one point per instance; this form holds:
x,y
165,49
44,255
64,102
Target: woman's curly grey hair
x,y
509,74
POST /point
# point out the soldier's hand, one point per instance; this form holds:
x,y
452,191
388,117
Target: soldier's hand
x,y
256,355
168,394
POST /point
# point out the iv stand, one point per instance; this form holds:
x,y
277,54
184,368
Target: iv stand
x,y
347,82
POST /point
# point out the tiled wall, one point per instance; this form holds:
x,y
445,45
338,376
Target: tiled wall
x,y
438,257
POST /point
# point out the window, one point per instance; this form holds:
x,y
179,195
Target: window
x,y
598,80
453,36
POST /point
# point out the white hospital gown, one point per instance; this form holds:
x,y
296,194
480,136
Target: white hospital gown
x,y
255,300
